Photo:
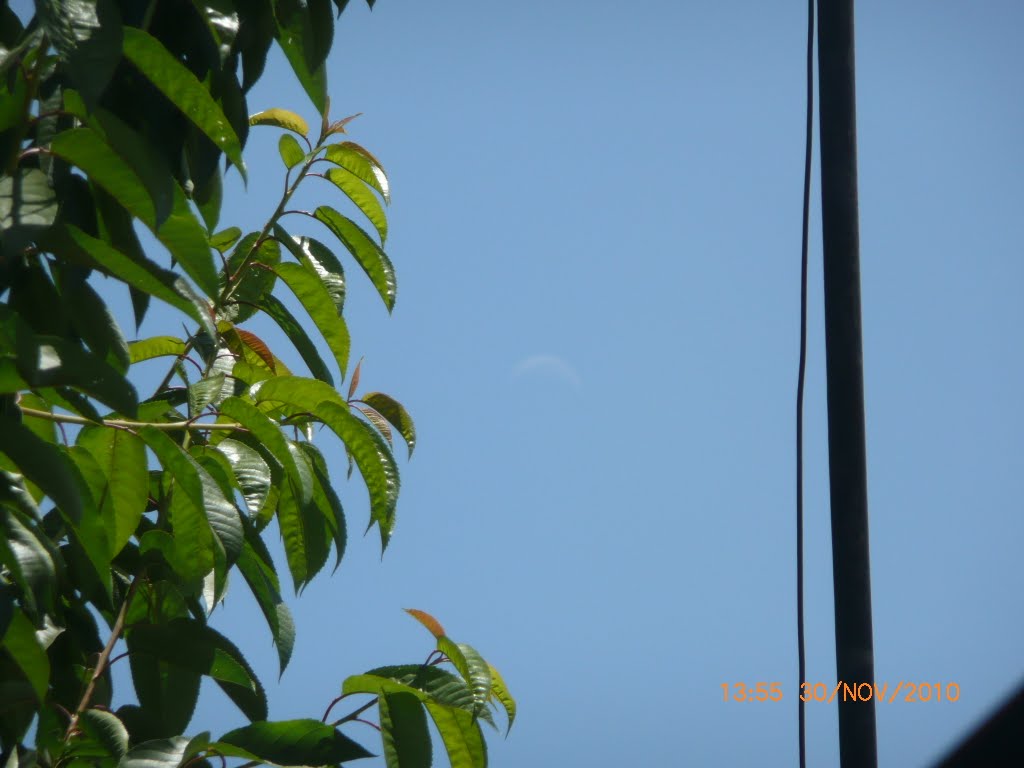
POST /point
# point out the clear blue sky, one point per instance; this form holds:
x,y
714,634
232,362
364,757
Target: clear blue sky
x,y
595,222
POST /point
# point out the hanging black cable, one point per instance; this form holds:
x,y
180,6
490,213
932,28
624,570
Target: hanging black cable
x,y
801,375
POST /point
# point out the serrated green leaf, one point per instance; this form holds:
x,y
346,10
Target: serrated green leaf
x,y
180,86
155,346
500,691
313,295
477,674
461,734
395,413
297,335
319,258
359,193
367,253
404,733
189,645
290,151
361,164
121,456
281,118
290,743
157,753
106,729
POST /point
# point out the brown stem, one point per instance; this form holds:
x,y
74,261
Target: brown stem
x,y
102,661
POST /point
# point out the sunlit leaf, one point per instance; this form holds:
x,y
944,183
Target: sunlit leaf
x,y
359,193
290,151
461,734
395,413
297,335
281,118
428,621
359,162
224,239
258,570
367,253
313,295
251,471
295,35
500,691
175,81
121,456
155,346
425,682
23,648
29,561
319,258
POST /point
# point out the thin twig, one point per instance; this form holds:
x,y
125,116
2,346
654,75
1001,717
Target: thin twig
x,y
167,426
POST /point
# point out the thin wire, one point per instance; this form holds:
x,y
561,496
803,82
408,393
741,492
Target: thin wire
x,y
801,375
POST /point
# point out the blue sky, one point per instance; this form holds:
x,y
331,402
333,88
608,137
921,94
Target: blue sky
x,y
596,226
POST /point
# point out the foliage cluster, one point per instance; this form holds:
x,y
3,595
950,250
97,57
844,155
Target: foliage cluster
x,y
123,515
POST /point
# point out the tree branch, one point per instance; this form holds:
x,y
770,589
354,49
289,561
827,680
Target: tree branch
x,y
169,426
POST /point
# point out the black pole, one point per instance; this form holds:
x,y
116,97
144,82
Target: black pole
x,y
844,363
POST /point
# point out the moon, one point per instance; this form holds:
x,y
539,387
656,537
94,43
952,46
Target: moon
x,y
551,366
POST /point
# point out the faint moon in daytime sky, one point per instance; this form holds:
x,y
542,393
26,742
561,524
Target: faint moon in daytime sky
x,y
550,366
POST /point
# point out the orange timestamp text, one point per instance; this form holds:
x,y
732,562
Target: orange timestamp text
x,y
903,690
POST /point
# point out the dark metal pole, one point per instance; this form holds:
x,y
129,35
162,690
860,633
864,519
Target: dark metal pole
x,y
844,362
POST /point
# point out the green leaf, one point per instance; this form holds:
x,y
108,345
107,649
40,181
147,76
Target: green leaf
x,y
319,258
51,361
371,453
404,733
251,471
461,734
87,35
290,151
395,413
257,568
95,323
181,87
21,644
43,464
296,37
27,201
181,233
252,273
290,743
146,276
106,729
327,500
189,645
281,118
313,295
426,683
269,434
193,536
224,239
121,456
361,164
297,335
360,194
155,346
204,392
367,253
500,691
477,674
158,753
28,559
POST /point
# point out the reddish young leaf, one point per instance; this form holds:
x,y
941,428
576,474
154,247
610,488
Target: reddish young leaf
x,y
355,379
428,621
